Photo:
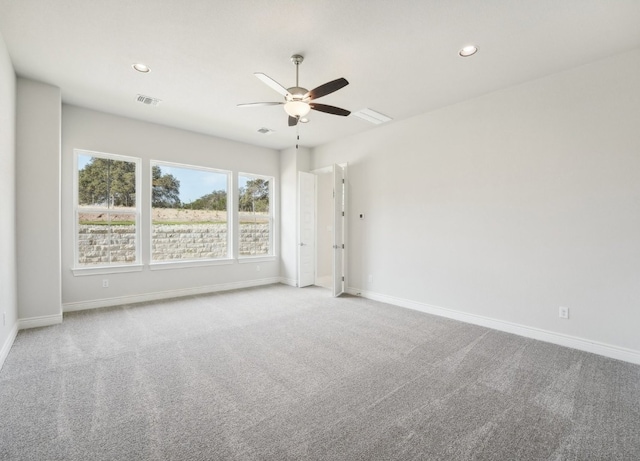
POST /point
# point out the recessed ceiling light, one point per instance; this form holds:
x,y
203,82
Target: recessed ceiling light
x,y
467,51
141,67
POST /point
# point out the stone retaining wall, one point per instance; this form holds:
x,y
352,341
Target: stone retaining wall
x,y
103,244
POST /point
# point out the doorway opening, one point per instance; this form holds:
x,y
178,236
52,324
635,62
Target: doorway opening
x,y
321,228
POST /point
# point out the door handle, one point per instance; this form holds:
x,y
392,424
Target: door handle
x,y
302,244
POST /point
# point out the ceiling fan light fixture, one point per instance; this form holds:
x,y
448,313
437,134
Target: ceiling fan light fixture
x,y
297,108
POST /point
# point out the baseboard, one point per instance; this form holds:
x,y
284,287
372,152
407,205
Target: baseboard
x,y
606,350
155,296
42,321
290,282
6,347
23,324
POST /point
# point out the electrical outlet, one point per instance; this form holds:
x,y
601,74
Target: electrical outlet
x,y
563,312
105,283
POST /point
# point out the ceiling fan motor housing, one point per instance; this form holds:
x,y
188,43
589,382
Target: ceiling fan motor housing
x,y
297,93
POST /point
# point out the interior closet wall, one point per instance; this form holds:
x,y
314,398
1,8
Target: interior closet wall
x,y
324,230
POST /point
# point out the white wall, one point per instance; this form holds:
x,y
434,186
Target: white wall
x,y
8,264
292,160
509,205
38,203
324,229
87,129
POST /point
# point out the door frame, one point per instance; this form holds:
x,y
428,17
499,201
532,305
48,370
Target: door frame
x,y
339,217
345,226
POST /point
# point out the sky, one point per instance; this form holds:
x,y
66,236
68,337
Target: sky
x,y
194,183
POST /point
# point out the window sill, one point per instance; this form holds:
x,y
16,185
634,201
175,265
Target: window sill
x,y
102,270
254,259
165,265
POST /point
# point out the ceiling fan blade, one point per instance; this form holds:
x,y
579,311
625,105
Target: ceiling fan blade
x,y
327,88
329,109
256,104
272,83
293,121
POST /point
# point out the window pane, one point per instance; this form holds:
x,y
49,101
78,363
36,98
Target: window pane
x,y
254,216
106,238
189,213
106,211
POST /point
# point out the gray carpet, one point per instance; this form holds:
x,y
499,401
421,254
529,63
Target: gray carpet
x,y
279,373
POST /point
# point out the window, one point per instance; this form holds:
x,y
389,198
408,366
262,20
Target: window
x,y
189,211
255,215
106,209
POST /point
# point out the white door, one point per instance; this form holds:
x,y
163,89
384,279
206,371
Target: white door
x,y
306,229
339,200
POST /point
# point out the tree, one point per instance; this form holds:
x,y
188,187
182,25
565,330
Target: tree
x,y
107,182
165,189
255,196
217,200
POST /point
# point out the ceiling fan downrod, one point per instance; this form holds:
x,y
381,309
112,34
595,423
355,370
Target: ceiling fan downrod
x,y
297,60
297,93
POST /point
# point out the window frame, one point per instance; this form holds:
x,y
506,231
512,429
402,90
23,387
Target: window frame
x,y
192,262
108,268
271,256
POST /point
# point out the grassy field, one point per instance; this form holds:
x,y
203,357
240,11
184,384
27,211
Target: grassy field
x,y
170,216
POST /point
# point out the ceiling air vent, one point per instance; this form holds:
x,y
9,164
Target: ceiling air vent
x,y
371,116
148,100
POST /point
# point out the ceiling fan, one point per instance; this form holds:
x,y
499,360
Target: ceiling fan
x,y
299,101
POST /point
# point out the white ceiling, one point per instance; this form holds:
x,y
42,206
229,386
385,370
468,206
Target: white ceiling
x,y
400,56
